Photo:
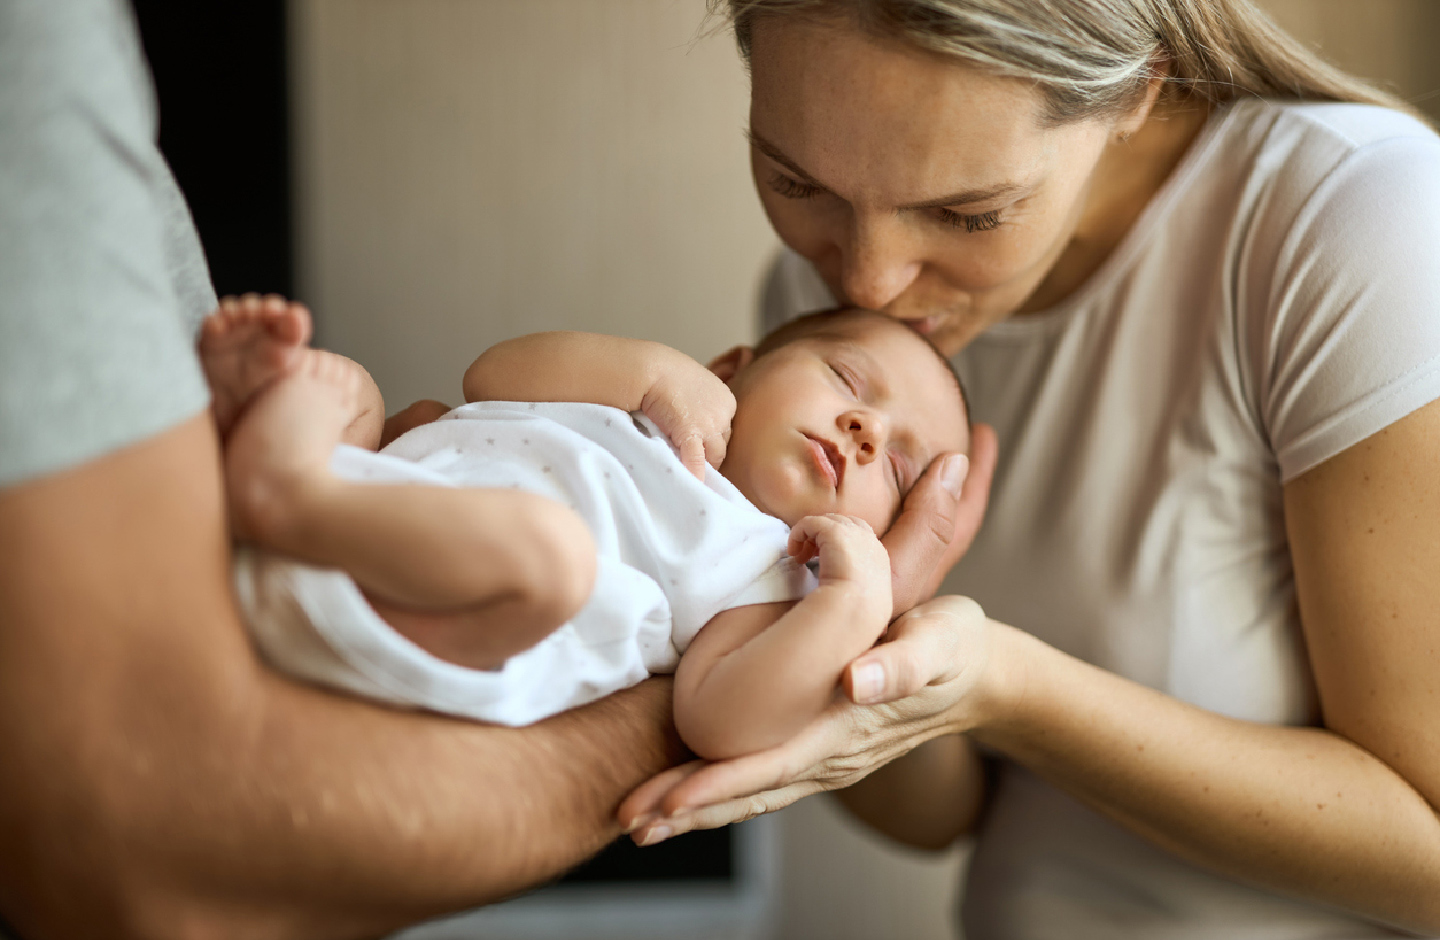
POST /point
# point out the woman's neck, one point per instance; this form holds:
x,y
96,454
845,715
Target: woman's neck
x,y
1129,174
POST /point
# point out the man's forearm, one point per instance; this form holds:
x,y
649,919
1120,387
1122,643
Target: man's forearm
x,y
159,781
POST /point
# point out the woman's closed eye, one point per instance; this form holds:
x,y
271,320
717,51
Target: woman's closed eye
x,y
982,222
792,188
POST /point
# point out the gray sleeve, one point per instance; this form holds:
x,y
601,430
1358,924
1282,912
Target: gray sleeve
x,y
101,276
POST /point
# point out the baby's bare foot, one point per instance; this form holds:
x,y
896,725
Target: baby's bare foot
x,y
278,456
245,345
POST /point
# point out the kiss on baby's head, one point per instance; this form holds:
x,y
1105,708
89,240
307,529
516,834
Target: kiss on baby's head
x,y
839,412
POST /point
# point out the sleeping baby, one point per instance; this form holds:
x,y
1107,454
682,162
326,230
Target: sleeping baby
x,y
601,510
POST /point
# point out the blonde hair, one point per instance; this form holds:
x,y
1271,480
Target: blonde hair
x,y
1091,57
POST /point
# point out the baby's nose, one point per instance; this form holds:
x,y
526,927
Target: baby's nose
x,y
867,431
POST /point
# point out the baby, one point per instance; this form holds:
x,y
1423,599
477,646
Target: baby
x,y
546,544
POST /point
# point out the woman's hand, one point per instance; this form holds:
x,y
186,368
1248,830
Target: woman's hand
x,y
929,672
939,520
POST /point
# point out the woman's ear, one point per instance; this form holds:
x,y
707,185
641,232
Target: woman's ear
x,y
1132,121
729,363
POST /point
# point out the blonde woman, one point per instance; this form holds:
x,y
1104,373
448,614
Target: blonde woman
x,y
1190,274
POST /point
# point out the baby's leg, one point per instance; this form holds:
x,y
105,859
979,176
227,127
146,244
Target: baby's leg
x,y
515,564
248,342
244,345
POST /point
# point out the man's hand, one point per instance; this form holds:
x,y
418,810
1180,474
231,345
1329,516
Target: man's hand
x,y
694,409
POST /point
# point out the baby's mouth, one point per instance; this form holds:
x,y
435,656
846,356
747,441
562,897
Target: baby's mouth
x,y
828,460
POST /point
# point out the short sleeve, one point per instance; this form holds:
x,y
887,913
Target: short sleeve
x,y
1350,339
100,270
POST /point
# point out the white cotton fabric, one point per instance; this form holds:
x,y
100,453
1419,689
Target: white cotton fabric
x,y
1277,302
673,553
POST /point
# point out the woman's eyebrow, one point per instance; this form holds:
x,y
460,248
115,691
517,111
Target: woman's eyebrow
x,y
775,153
998,191
966,197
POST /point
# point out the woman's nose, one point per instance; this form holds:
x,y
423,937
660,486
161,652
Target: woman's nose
x,y
867,430
878,264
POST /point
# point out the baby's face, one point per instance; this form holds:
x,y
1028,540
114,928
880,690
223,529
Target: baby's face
x,y
842,421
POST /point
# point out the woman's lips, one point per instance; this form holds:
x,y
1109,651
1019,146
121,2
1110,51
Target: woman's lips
x,y
827,459
924,325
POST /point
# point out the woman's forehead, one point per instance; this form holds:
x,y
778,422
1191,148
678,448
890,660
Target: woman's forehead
x,y
857,112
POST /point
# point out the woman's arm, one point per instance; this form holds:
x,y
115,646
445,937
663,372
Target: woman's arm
x,y
1344,814
159,781
926,799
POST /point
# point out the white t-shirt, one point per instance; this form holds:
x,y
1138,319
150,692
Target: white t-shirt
x,y
1277,302
672,553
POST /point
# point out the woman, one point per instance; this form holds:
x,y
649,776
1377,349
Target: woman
x,y
1199,305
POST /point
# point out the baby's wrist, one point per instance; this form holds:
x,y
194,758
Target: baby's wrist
x,y
861,601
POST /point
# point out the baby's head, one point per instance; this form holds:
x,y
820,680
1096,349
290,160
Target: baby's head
x,y
839,411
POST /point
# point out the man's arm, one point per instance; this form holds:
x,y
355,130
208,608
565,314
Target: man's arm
x,y
159,781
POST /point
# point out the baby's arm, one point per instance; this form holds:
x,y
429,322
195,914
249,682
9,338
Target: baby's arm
x,y
686,400
756,675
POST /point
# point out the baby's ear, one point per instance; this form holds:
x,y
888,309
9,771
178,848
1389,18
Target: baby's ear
x,y
729,363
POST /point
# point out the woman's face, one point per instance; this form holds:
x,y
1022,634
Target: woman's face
x,y
915,185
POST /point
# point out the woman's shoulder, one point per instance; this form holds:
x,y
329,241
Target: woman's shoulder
x,y
1288,166
1304,141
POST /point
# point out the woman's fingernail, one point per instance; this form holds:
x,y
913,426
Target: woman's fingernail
x,y
638,821
867,680
952,473
658,834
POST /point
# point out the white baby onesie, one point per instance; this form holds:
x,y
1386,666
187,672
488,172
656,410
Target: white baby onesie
x,y
672,553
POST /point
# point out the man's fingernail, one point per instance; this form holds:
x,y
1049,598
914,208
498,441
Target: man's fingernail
x,y
867,680
952,473
658,834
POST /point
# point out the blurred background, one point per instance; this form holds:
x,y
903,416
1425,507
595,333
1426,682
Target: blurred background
x,y
433,176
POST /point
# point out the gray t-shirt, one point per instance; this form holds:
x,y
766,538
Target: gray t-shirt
x,y
102,279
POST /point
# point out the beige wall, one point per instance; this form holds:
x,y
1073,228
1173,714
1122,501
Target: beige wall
x,y
475,169
1392,42
472,169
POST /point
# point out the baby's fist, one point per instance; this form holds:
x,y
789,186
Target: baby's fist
x,y
694,408
849,552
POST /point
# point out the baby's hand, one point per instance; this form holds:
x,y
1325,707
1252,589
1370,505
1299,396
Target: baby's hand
x,y
850,555
694,408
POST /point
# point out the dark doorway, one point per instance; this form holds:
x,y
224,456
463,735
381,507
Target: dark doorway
x,y
220,76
